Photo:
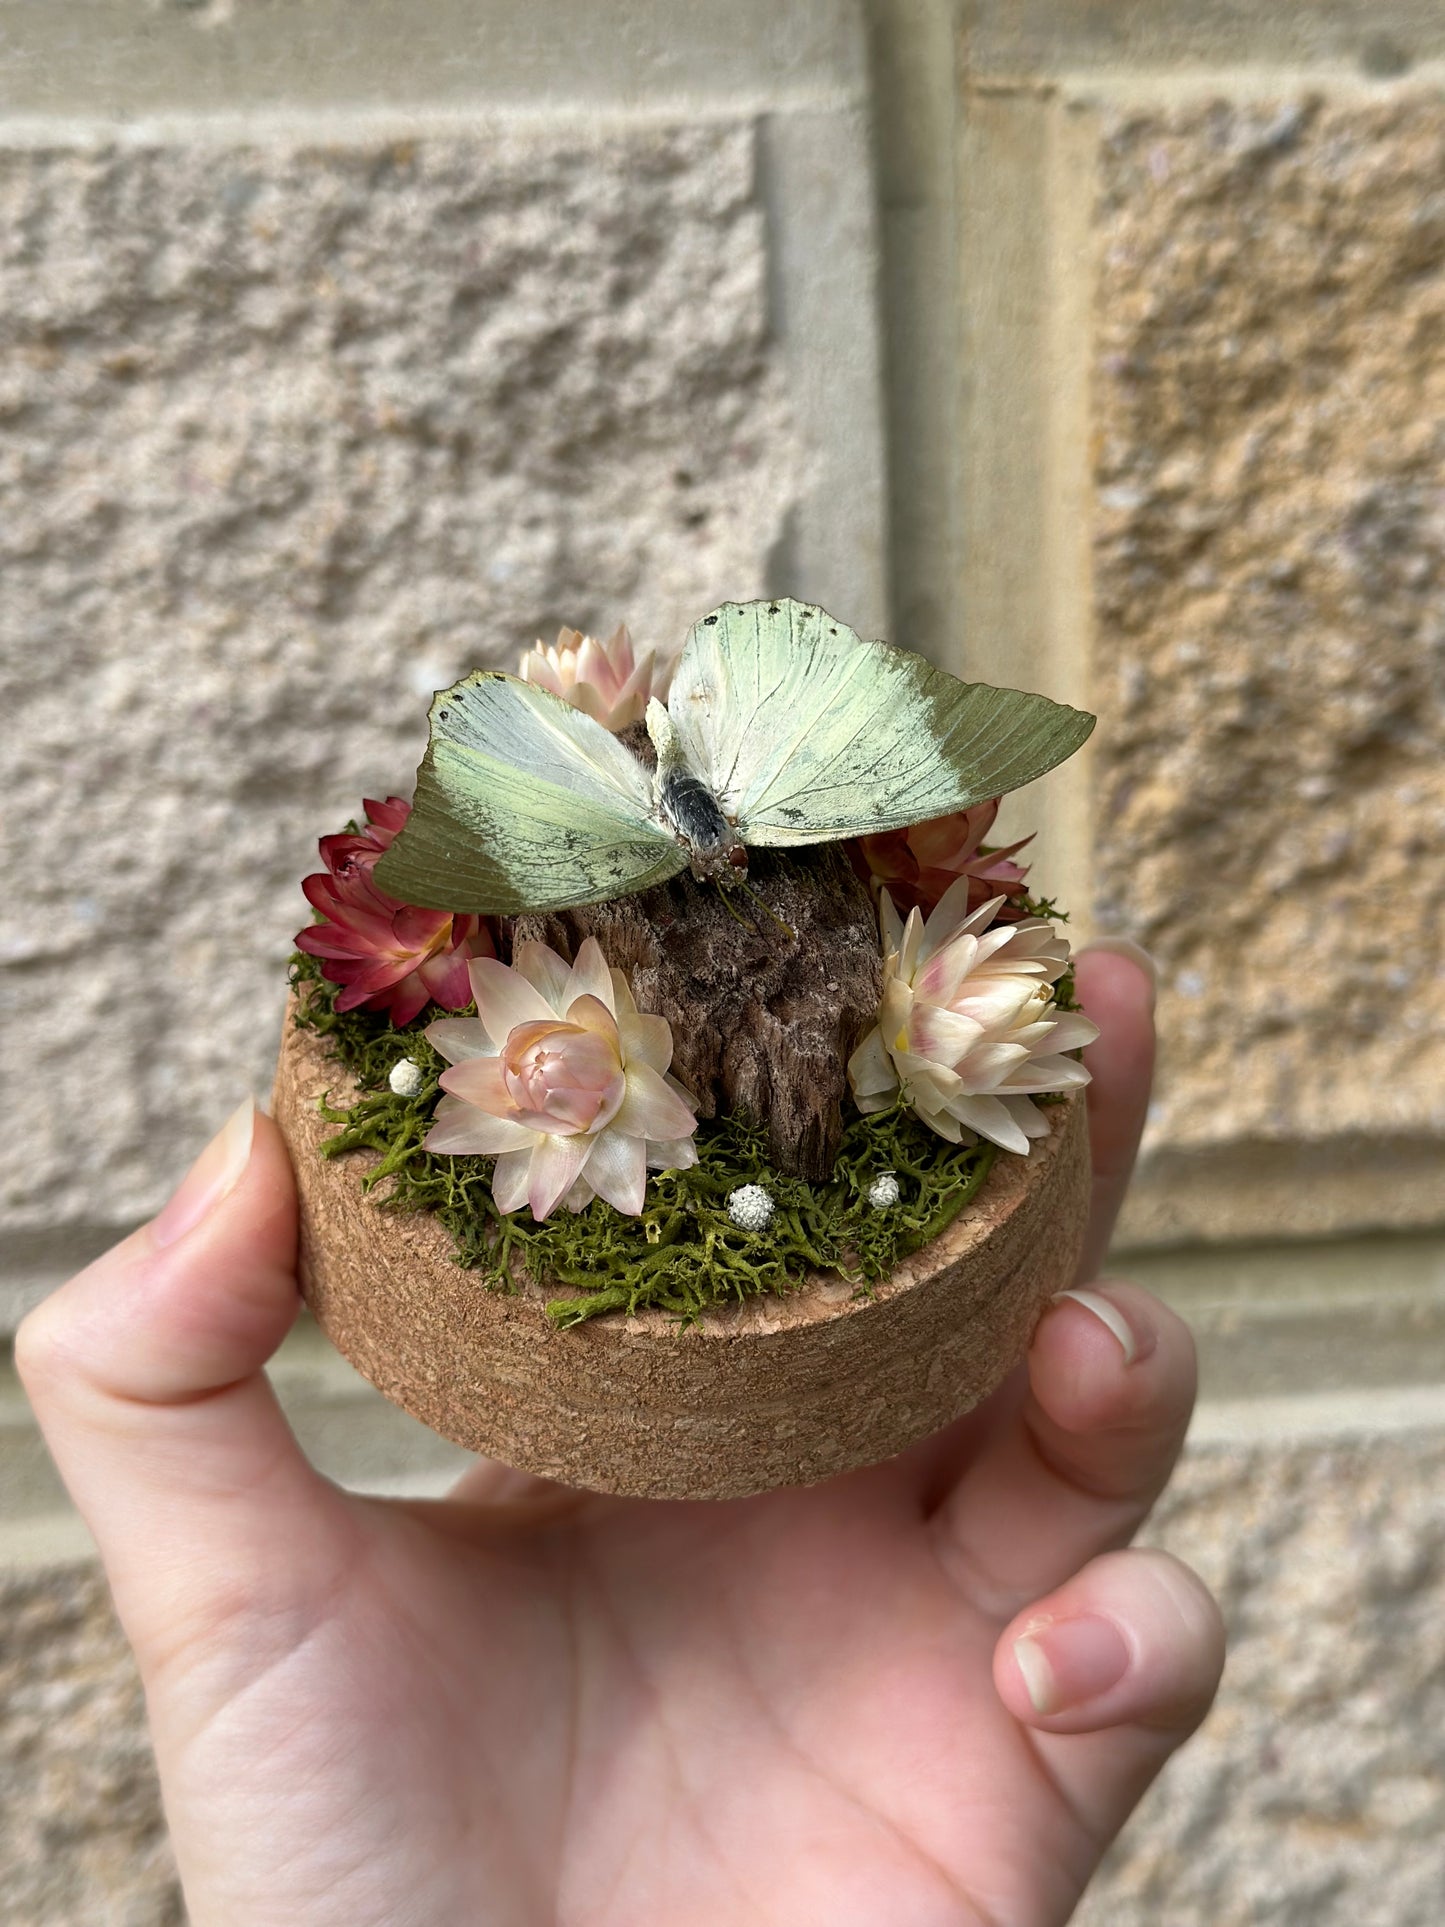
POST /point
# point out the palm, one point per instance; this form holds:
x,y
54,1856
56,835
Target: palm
x,y
522,1704
775,1710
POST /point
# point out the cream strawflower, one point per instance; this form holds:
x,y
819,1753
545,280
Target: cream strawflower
x,y
604,678
563,1081
968,1028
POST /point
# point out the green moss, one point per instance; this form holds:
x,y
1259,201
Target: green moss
x,y
684,1253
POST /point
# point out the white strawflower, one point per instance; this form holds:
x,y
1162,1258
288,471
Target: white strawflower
x,y
750,1208
884,1191
406,1077
607,679
968,1028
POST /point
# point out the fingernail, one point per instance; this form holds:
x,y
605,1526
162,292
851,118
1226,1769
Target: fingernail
x,y
1065,1664
1108,1314
1136,953
214,1173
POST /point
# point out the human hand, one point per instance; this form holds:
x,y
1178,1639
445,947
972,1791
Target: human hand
x,y
524,1704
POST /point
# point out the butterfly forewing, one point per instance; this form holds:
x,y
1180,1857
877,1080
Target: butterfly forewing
x,y
807,733
524,803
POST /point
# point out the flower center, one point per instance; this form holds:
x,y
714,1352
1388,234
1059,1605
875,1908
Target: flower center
x,y
562,1078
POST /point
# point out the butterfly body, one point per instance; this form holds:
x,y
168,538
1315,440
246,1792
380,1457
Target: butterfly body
x,y
687,807
782,728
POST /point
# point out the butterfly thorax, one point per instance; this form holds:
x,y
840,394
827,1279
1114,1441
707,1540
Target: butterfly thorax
x,y
688,807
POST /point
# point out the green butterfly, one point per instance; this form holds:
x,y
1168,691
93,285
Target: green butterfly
x,y
783,728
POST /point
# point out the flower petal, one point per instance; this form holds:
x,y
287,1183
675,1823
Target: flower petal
x,y
556,1165
871,1072
479,1081
651,1108
461,1130
992,1120
458,1038
992,1064
591,976
645,1039
617,1171
509,1179
1027,1115
409,999
677,1154
1072,1031
943,1035
505,999
589,1013
1049,1074
547,973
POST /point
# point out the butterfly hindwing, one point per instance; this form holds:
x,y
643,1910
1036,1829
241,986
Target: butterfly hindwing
x,y
524,803
806,733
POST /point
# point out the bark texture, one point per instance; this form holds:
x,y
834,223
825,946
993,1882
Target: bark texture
x,y
766,1004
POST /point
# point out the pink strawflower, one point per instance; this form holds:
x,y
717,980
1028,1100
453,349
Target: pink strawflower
x,y
604,678
563,1081
385,955
919,864
352,850
968,1029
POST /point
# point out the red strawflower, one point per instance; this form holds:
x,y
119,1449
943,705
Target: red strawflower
x,y
918,864
386,955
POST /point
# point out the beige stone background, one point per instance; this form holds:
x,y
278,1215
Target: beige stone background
x,y
1097,347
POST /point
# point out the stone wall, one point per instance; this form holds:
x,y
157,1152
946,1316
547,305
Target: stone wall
x,y
345,346
1269,391
277,471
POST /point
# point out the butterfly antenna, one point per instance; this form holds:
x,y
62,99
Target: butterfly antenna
x,y
733,911
787,929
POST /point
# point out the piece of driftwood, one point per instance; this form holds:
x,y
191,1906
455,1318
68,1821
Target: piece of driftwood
x,y
767,993
767,988
780,1391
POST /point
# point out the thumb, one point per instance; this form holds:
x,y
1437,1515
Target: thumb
x,y
1112,1672
145,1375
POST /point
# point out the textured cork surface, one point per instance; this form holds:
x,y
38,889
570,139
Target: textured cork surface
x,y
781,1391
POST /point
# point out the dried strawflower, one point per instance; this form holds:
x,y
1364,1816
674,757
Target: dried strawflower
x,y
918,864
563,1081
604,678
385,955
968,1028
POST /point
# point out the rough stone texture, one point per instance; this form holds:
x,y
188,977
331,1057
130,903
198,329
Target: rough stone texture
x,y
1314,1795
82,1838
291,436
1270,655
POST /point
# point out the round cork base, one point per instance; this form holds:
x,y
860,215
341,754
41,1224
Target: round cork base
x,y
780,1391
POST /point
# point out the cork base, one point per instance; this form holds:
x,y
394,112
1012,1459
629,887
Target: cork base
x,y
781,1391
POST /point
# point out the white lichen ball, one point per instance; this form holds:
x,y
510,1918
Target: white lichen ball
x,y
750,1208
407,1077
884,1191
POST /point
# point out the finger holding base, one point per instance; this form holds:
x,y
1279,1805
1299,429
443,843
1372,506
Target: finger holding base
x,y
1112,1673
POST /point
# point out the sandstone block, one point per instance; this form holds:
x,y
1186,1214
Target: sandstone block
x,y
1269,398
82,1836
1314,1794
292,435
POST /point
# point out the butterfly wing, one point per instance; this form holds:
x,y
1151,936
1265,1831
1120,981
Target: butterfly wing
x,y
805,733
524,803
